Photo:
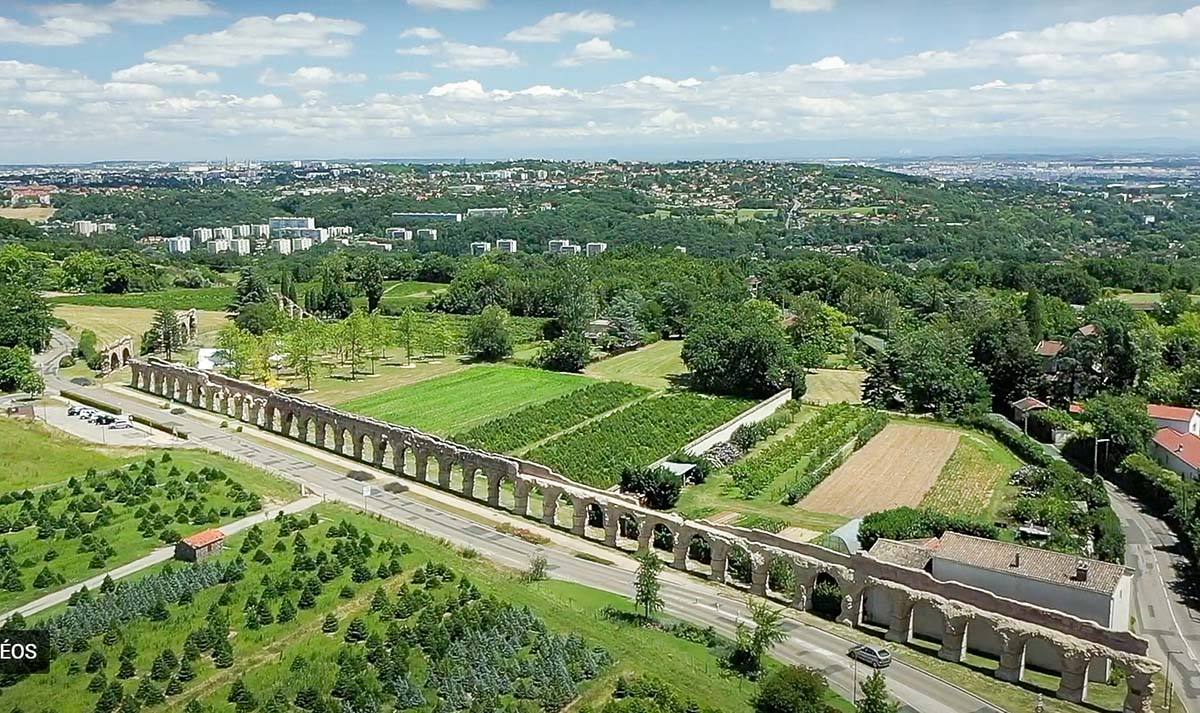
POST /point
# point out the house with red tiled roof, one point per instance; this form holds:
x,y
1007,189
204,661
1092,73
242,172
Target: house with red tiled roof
x,y
1178,452
200,546
1049,350
1176,418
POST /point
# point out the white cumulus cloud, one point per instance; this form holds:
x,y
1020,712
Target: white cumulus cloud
x,y
593,50
251,39
422,33
73,23
161,73
309,78
449,4
803,5
552,28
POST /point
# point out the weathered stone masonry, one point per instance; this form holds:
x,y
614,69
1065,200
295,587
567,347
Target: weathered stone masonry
x,y
618,521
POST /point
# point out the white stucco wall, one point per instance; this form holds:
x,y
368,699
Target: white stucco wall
x,y
1172,462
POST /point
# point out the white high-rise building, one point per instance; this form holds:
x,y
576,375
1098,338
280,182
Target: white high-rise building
x,y
222,233
83,227
480,248
261,231
283,246
279,224
299,244
240,246
202,235
217,245
570,249
427,233
556,245
179,244
105,227
340,231
506,246
596,248
241,231
399,233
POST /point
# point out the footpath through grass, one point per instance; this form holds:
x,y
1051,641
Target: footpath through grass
x,y
213,299
464,399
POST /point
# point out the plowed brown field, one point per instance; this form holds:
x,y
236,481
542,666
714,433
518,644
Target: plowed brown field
x,y
896,468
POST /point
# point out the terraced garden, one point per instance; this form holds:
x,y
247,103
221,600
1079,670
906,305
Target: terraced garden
x,y
541,421
335,611
466,398
639,435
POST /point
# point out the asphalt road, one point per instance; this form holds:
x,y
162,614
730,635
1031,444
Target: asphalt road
x,y
685,597
1160,609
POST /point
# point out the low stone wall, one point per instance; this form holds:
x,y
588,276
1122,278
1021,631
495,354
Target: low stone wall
x,y
696,546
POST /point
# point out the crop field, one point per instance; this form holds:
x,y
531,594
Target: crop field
x,y
466,398
112,323
100,519
335,609
639,435
834,386
211,299
541,421
897,467
975,480
410,294
655,365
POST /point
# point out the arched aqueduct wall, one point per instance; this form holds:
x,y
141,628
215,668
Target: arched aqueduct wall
x,y
618,521
116,355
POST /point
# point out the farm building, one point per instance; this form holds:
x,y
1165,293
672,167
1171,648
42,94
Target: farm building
x,y
1089,589
200,546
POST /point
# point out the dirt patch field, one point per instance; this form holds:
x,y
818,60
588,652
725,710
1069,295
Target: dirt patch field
x,y
33,215
834,386
898,467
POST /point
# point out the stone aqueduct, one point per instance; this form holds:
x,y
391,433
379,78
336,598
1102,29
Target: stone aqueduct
x,y
117,354
966,614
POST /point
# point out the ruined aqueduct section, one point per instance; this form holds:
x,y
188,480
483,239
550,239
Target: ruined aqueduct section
x,y
968,616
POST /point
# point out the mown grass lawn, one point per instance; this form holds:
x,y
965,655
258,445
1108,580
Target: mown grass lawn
x,y
33,456
461,400
654,365
111,323
266,658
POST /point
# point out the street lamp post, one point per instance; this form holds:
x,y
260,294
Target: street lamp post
x,y
1096,453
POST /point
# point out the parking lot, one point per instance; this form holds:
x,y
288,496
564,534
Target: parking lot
x,y
134,435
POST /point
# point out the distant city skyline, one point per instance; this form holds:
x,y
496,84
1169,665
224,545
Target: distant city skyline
x,y
182,80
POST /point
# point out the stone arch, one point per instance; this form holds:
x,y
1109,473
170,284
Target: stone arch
x,y
780,578
114,361
739,567
628,527
559,509
472,473
659,535
827,596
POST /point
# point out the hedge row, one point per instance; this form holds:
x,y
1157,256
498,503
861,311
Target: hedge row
x,y
89,401
160,425
543,420
1169,496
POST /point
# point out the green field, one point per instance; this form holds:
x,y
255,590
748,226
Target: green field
x,y
463,399
283,660
112,323
655,365
212,299
141,513
1144,299
851,210
35,456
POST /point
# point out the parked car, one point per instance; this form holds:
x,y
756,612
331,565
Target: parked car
x,y
120,425
874,656
73,410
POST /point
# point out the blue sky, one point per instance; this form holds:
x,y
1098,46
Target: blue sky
x,y
197,79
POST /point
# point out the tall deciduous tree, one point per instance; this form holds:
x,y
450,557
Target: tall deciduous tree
x,y
404,333
24,317
487,336
303,344
740,349
236,348
353,333
370,279
792,689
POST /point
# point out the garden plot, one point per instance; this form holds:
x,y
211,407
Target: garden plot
x,y
897,467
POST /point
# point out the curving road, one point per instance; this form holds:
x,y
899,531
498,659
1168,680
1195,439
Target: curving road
x,y
685,597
